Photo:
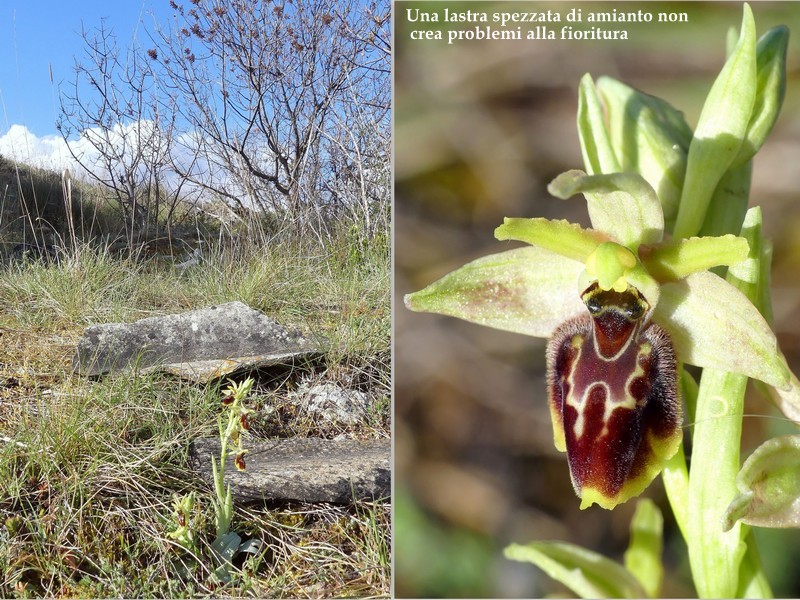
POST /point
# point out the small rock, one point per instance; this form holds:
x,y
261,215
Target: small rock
x,y
332,403
302,469
200,345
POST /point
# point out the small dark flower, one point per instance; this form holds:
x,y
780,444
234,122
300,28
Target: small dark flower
x,y
227,400
239,461
153,53
245,421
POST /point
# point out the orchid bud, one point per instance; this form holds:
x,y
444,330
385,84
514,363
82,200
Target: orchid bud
x,y
649,137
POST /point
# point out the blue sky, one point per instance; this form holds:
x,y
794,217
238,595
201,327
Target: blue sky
x,y
38,34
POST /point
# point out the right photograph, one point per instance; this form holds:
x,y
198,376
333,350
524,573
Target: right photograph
x,y
597,299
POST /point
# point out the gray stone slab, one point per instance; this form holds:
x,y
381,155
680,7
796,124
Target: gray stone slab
x,y
302,469
201,345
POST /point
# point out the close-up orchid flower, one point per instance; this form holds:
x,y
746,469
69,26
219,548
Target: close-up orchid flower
x,y
674,271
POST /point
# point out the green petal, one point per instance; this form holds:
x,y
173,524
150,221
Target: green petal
x,y
621,205
598,154
769,486
720,131
588,574
527,290
650,137
676,259
643,556
714,325
562,237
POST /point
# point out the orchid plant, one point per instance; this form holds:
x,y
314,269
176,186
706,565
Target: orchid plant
x,y
227,544
674,271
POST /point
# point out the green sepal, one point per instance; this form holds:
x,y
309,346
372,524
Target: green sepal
x,y
621,205
528,290
704,314
562,237
769,486
588,574
650,138
643,556
598,153
676,259
720,131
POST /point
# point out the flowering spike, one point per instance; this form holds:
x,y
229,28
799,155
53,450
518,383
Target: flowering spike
x,y
613,397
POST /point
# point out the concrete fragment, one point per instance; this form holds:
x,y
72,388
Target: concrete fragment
x,y
331,402
200,345
302,469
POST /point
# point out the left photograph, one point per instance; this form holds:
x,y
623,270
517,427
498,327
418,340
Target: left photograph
x,y
195,314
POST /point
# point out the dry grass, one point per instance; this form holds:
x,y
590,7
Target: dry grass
x,y
89,468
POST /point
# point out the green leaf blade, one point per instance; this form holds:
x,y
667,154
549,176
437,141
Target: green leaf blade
x,y
588,574
720,131
643,556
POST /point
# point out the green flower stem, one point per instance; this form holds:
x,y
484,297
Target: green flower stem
x,y
715,555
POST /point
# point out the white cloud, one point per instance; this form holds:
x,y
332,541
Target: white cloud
x,y
52,152
49,152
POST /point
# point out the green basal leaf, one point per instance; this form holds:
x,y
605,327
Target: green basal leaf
x,y
769,486
527,290
598,154
714,325
770,91
621,205
674,260
588,574
643,556
720,131
562,237
650,137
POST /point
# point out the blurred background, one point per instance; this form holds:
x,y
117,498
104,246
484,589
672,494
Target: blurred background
x,y
480,130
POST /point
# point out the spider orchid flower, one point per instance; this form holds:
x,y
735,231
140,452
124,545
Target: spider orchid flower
x,y
622,307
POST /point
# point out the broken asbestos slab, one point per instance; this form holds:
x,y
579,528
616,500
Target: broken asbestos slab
x,y
200,345
302,469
